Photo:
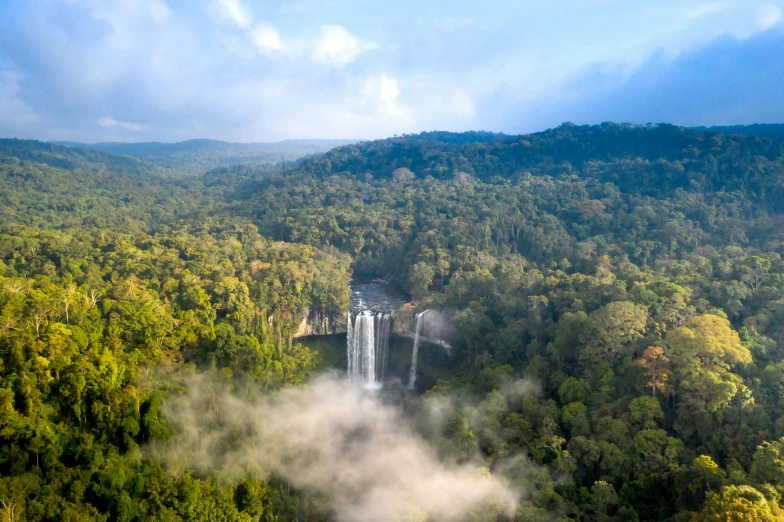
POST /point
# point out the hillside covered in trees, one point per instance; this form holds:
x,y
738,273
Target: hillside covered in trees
x,y
631,276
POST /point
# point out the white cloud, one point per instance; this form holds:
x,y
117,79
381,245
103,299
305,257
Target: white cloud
x,y
14,112
346,105
389,91
449,23
235,11
770,15
337,46
267,38
698,12
159,11
380,98
191,77
108,121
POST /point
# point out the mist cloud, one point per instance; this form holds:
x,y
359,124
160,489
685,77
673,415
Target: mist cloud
x,y
331,437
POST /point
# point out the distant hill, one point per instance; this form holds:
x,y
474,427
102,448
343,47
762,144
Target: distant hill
x,y
652,160
200,155
73,158
53,186
763,130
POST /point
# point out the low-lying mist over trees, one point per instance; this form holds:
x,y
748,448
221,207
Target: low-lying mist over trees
x,y
331,438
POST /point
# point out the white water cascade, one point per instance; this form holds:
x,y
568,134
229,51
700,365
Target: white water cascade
x,y
417,326
382,344
367,346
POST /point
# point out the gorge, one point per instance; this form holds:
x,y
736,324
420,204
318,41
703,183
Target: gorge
x,y
379,338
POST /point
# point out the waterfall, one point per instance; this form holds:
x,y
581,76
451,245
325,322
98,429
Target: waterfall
x,y
417,326
382,344
351,350
367,342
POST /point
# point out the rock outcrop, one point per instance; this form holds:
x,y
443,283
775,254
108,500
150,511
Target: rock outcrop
x,y
316,322
403,320
436,327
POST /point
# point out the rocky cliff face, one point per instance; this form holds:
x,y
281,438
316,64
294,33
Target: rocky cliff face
x,y
315,322
403,320
435,329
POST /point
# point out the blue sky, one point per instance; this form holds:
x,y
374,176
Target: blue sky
x,y
246,70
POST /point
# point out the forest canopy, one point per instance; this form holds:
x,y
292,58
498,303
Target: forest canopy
x,y
633,275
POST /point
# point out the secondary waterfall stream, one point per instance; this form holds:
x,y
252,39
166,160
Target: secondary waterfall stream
x,y
417,327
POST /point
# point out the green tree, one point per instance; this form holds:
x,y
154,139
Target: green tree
x,y
768,464
645,411
736,504
708,471
611,331
420,277
603,496
702,352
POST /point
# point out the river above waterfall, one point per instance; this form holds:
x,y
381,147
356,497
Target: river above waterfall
x,y
370,292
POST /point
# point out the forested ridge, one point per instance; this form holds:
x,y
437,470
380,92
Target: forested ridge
x,y
632,274
200,155
765,130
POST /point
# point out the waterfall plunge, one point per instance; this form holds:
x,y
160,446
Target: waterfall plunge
x,y
382,344
417,326
367,347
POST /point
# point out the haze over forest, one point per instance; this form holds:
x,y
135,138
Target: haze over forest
x,y
242,278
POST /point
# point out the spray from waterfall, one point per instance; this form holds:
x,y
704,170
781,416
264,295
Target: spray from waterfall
x,y
417,326
367,343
